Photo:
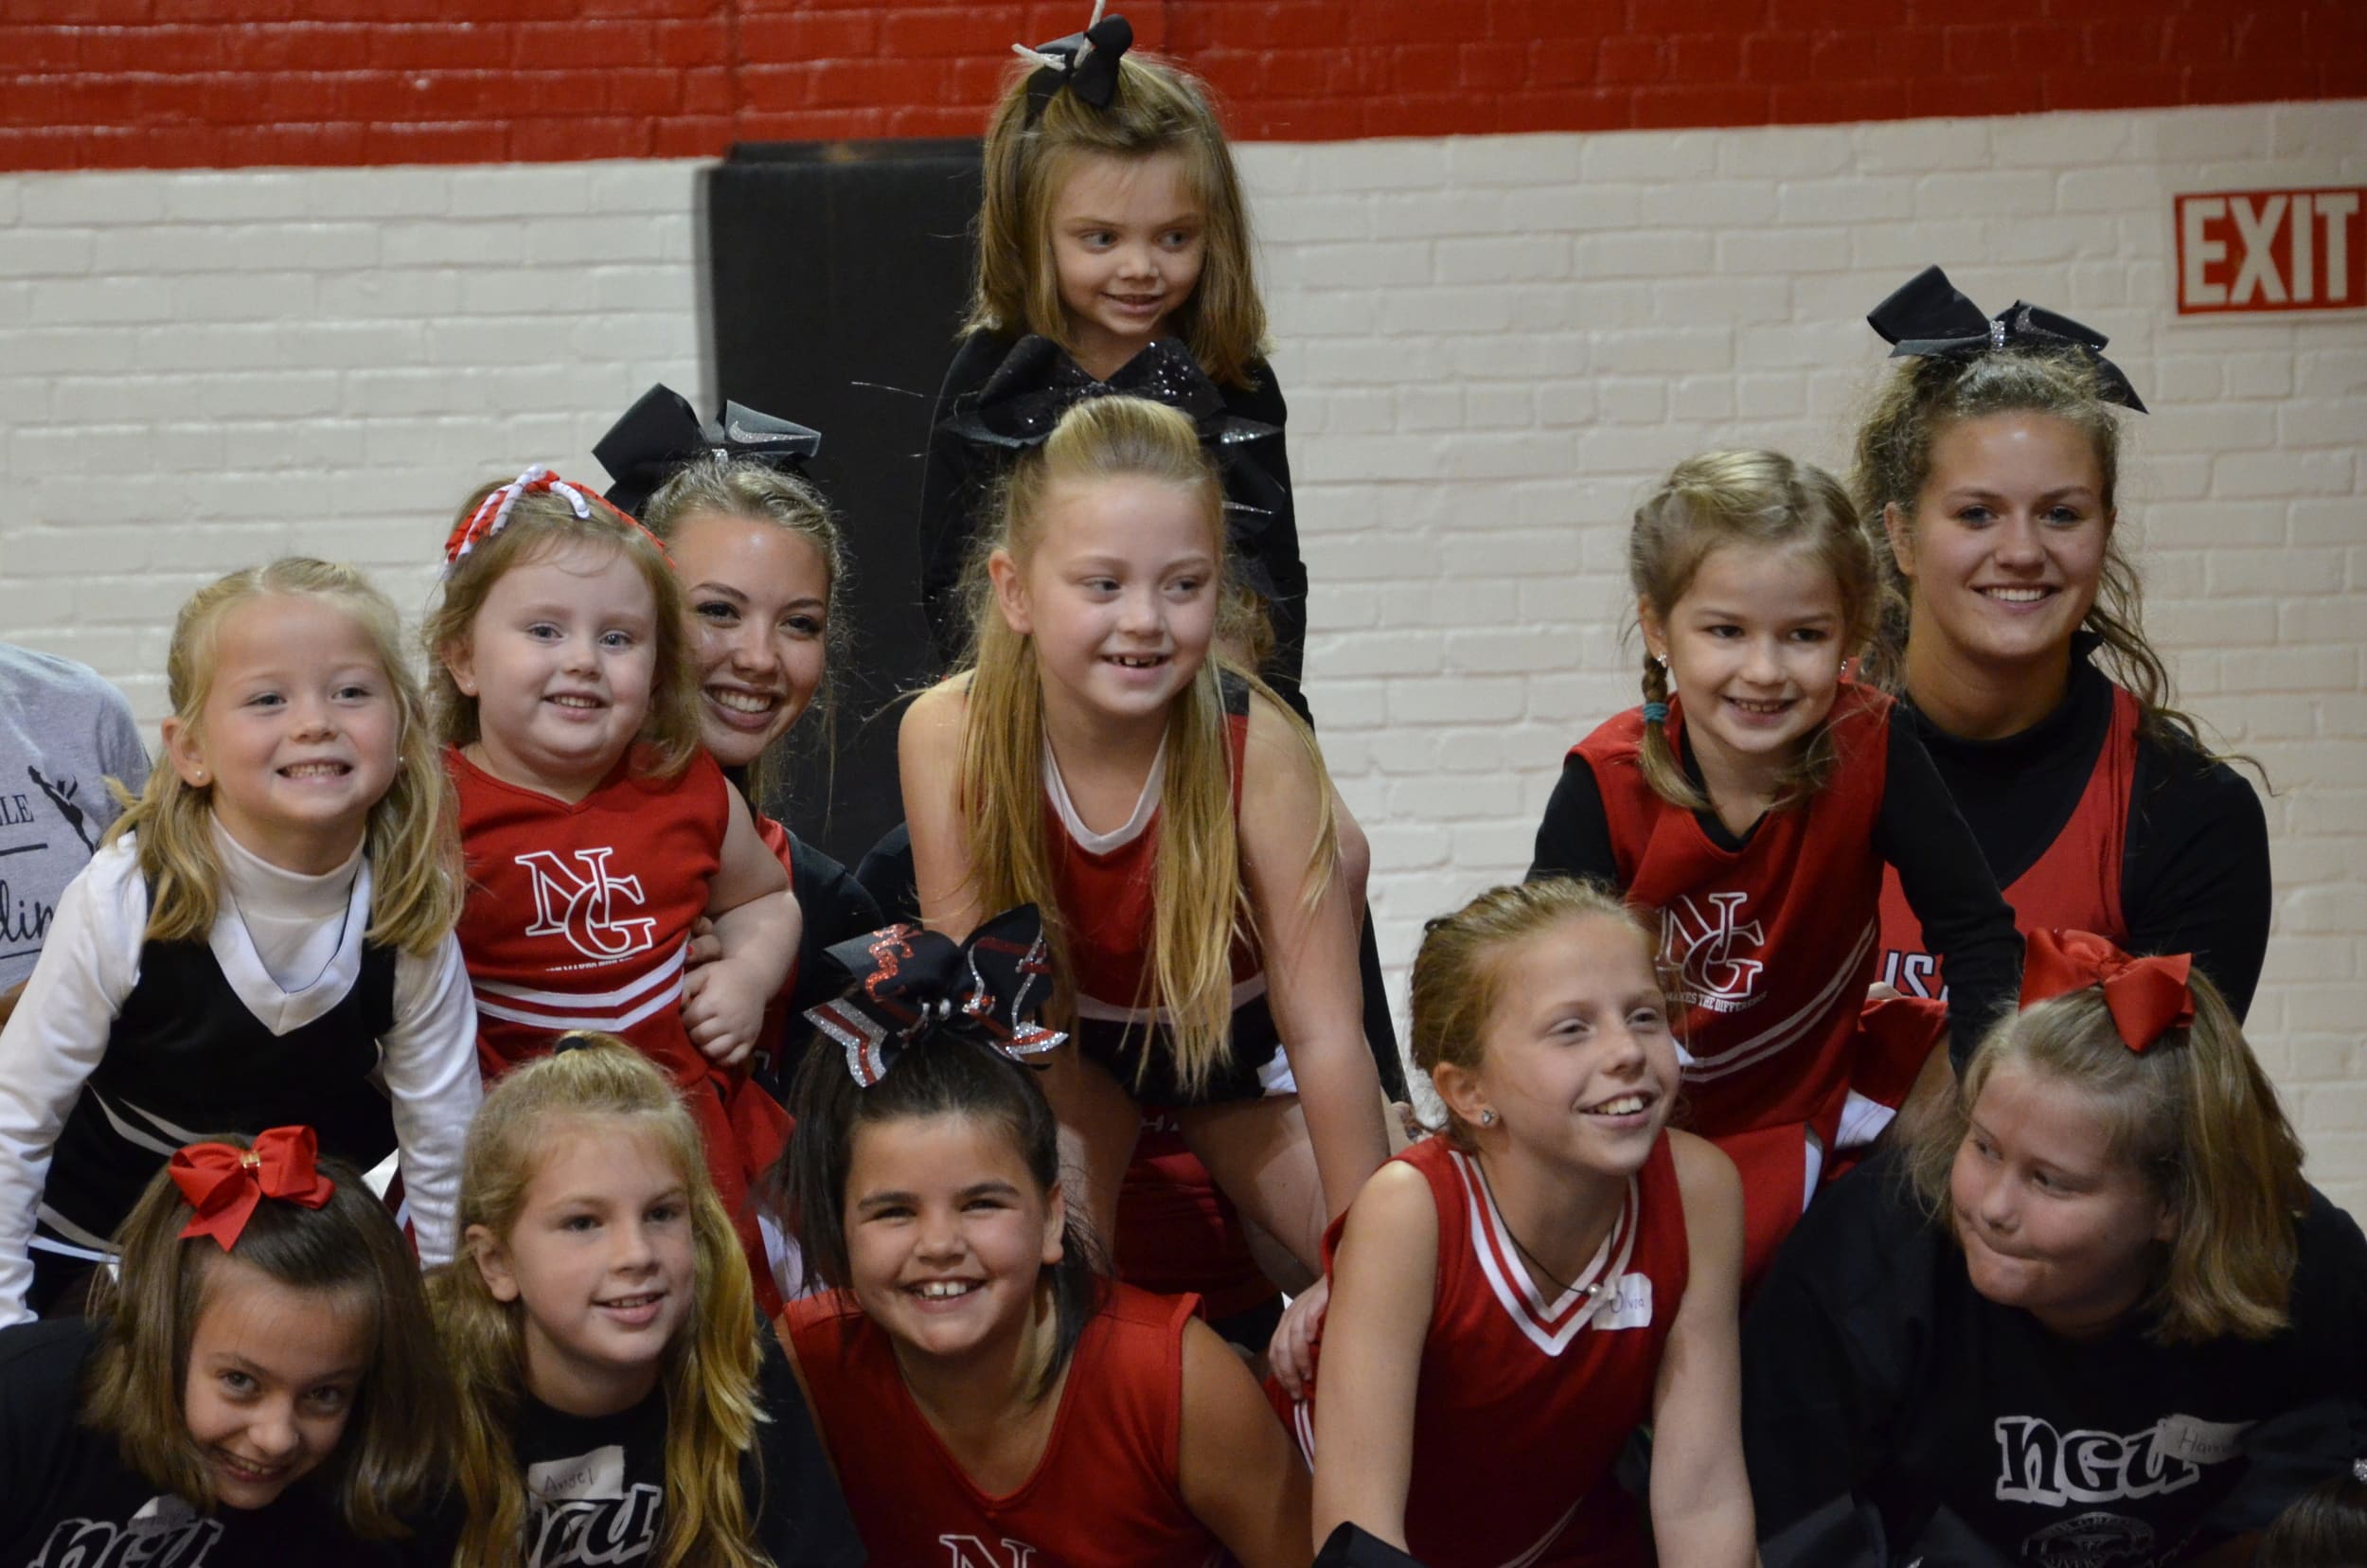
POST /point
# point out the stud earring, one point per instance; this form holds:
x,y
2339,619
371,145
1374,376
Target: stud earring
x,y
1488,1118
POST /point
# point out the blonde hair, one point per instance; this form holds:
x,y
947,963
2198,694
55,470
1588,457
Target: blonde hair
x,y
391,1453
710,1369
1158,107
1759,498
541,525
410,839
1458,975
2196,1116
747,491
1198,899
1924,396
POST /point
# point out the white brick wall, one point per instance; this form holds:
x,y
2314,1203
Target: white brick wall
x,y
1490,345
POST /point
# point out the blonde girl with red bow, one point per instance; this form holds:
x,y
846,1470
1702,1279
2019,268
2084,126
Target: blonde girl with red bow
x,y
259,1382
2094,1315
595,829
265,938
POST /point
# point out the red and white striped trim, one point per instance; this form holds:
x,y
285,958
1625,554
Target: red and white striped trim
x,y
609,1011
1775,1037
1550,1325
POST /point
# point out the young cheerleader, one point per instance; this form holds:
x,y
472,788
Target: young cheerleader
x,y
988,1398
266,937
595,829
762,567
1513,1296
1114,255
2090,1315
258,1383
1105,761
1753,800
1990,462
621,1400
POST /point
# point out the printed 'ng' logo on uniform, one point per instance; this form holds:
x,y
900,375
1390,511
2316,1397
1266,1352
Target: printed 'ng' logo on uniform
x,y
1707,950
584,907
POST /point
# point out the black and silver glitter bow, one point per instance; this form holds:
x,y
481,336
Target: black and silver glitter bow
x,y
908,986
661,434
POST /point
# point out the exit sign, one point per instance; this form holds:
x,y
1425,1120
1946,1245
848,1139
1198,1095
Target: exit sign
x,y
2272,250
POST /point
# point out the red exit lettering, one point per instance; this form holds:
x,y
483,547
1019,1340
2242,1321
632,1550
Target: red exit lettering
x,y
2272,250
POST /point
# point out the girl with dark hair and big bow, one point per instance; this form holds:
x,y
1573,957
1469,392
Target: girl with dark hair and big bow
x,y
2091,1314
258,1383
1988,473
987,1393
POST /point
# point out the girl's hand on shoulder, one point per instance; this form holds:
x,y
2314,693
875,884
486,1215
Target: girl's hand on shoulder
x,y
1291,1355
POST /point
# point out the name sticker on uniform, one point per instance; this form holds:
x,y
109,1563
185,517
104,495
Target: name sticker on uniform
x,y
2201,1442
596,1476
1628,1306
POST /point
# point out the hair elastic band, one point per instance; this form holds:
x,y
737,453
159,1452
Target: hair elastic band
x,y
1656,713
226,1184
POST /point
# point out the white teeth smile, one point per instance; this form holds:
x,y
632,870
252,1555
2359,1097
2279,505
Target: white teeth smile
x,y
1748,707
2017,596
1626,1105
574,700
313,769
743,702
1138,661
626,1304
944,1289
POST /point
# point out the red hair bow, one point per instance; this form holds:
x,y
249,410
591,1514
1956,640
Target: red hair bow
x,y
223,1184
2145,996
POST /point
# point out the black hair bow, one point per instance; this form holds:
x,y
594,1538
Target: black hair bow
x,y
907,986
1926,316
1038,382
1084,63
661,434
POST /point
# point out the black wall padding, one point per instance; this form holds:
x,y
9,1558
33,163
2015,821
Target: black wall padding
x,y
839,271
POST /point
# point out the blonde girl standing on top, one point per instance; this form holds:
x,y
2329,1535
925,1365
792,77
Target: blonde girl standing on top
x,y
1106,759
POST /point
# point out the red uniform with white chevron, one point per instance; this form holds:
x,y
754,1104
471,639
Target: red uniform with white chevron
x,y
1773,944
1106,1490
578,917
1523,1404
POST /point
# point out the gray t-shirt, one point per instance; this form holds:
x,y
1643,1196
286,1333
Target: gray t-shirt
x,y
63,732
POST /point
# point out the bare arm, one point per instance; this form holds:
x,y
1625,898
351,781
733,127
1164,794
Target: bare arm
x,y
929,759
1311,961
756,926
1384,1277
1237,1469
1700,1494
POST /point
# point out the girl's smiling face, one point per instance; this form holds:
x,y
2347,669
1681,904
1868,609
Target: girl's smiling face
x,y
1755,647
2006,548
603,1258
1128,240
2051,1219
300,734
759,601
947,1231
273,1371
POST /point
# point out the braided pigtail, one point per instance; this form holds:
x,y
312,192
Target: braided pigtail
x,y
1663,769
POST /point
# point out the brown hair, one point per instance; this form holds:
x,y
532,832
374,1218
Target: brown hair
x,y
410,843
750,492
541,525
2324,1528
1922,397
1198,897
1759,498
392,1451
2195,1115
1157,107
1458,975
710,1369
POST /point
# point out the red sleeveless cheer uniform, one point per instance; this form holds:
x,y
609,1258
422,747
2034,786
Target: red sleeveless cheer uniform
x,y
578,916
1772,943
1105,1492
1522,1404
2074,886
1104,886
1178,1232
